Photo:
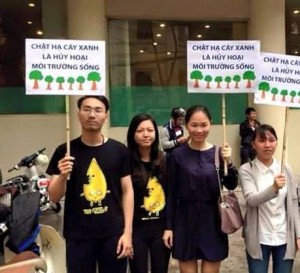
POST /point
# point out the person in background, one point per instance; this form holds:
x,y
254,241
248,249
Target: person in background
x,y
247,128
193,228
272,225
172,133
148,176
98,194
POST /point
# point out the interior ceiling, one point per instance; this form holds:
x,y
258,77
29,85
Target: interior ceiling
x,y
14,15
292,27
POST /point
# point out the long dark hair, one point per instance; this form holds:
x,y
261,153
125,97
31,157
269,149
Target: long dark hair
x,y
156,156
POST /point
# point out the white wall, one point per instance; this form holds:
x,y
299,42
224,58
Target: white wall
x,y
293,140
22,135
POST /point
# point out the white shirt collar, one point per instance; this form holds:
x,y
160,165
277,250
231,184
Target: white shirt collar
x,y
274,168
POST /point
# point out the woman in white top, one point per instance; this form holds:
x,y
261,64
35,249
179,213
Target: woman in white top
x,y
272,225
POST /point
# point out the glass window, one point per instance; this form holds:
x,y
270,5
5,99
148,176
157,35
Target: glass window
x,y
148,69
19,20
292,27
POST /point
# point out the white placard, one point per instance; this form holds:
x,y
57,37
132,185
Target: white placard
x,y
222,66
65,67
279,80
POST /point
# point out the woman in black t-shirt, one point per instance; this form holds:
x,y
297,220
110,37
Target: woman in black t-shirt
x,y
148,168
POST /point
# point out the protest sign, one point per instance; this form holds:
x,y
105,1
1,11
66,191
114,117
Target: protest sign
x,y
279,80
65,67
222,66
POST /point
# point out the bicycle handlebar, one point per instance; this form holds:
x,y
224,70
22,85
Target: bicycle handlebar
x,y
27,161
17,183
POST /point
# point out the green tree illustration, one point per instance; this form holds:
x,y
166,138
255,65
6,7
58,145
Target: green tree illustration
x,y
228,81
298,96
249,75
35,75
94,77
71,80
283,93
208,80
49,79
60,81
80,80
293,94
237,79
197,76
218,80
274,91
263,87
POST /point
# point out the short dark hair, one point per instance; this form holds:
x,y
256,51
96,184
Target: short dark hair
x,y
101,98
249,110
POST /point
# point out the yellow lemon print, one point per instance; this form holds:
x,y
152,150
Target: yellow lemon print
x,y
96,190
155,201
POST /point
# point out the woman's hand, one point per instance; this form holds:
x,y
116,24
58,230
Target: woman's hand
x,y
226,153
298,244
124,247
279,182
168,238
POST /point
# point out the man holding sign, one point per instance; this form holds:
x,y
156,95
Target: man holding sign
x,y
98,194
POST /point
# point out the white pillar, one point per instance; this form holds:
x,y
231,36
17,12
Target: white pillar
x,y
267,24
86,21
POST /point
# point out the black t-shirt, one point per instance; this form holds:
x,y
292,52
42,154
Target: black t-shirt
x,y
93,196
149,198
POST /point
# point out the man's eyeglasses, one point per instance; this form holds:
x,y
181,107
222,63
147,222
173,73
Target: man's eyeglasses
x,y
90,110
